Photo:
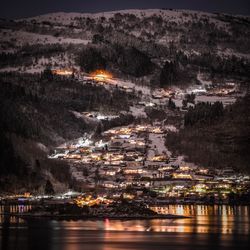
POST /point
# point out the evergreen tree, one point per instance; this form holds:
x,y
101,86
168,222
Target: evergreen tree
x,y
91,59
171,104
49,188
168,74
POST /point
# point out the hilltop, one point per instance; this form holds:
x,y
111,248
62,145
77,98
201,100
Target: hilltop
x,y
190,38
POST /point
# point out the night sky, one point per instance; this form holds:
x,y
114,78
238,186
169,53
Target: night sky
x,y
26,8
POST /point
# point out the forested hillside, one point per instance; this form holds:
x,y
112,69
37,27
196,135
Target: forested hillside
x,y
149,49
37,113
214,136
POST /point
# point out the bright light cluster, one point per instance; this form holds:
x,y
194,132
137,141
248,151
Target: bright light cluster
x,y
101,75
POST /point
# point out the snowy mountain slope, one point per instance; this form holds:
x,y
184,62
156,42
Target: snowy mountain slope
x,y
178,16
140,19
22,37
161,34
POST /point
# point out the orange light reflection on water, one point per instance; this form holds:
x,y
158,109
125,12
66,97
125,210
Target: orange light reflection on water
x,y
203,219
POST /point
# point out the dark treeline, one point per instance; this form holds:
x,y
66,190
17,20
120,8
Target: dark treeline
x,y
91,59
224,66
203,113
129,61
216,137
29,54
40,103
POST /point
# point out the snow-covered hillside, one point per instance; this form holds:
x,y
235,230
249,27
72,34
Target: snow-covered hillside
x,y
136,22
178,16
160,33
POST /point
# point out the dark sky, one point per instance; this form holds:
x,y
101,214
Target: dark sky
x,y
26,8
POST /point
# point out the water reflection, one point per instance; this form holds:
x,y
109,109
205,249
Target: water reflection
x,y
194,210
208,225
208,219
16,209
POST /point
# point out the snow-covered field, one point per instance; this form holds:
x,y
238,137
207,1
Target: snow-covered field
x,y
20,38
157,145
138,112
226,100
64,60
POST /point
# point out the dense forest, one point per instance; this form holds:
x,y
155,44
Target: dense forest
x,y
214,136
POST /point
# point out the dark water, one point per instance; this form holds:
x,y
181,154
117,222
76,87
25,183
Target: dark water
x,y
210,227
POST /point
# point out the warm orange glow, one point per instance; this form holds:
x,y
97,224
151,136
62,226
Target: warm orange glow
x,y
90,201
181,176
63,72
101,75
159,158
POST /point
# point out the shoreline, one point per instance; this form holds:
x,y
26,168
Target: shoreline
x,y
150,205
96,217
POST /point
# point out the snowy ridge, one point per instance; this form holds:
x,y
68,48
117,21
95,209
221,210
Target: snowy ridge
x,y
179,16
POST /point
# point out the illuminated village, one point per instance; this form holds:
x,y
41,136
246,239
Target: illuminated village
x,y
130,168
125,125
133,163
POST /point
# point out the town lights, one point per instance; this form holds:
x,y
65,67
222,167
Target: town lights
x,y
159,158
63,72
101,75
